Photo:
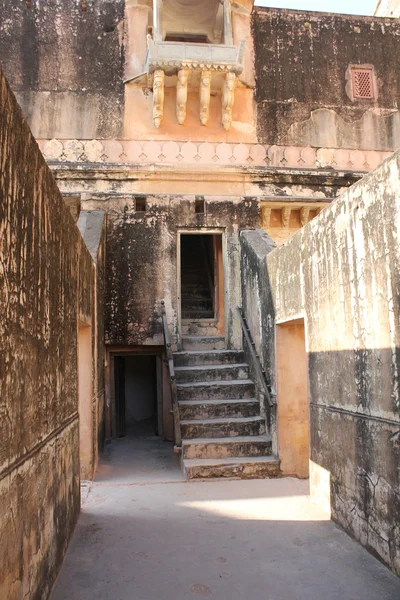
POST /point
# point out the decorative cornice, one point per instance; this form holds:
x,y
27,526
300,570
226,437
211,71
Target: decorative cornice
x,y
193,66
190,154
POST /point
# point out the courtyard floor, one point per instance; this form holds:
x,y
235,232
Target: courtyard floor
x,y
146,534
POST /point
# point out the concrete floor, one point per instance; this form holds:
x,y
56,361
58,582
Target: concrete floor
x,y
145,534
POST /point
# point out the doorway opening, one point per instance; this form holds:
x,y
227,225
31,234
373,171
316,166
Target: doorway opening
x,y
293,406
139,419
136,396
201,278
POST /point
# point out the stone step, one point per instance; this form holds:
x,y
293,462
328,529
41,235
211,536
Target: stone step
x,y
212,342
257,467
224,447
216,409
197,314
195,286
211,373
188,304
207,327
218,428
208,357
196,297
196,324
207,390
195,277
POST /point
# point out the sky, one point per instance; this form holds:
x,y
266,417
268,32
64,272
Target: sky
x,y
352,7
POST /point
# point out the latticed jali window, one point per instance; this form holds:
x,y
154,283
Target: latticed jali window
x,y
362,83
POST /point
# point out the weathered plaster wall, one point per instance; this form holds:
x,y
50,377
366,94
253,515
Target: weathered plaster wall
x,y
142,259
92,225
301,60
46,285
388,8
341,273
65,65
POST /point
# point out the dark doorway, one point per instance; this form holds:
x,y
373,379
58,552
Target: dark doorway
x,y
201,256
136,393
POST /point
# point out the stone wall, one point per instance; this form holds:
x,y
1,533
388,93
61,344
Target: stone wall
x,y
302,94
387,8
47,285
142,259
341,274
65,65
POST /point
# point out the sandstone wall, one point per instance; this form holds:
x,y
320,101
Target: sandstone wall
x,y
387,8
142,259
65,65
301,60
341,274
47,285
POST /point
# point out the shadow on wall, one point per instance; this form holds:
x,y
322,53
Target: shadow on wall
x,y
355,445
351,398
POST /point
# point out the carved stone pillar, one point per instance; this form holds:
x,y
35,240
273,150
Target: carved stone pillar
x,y
157,35
304,215
285,212
266,217
205,86
228,97
228,37
181,95
158,97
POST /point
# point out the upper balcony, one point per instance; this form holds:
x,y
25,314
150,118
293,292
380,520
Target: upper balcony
x,y
173,56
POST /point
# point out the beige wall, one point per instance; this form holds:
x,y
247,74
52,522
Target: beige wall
x,y
292,397
47,283
85,395
342,272
387,8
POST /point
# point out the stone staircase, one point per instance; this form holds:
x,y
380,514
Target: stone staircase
x,y
223,434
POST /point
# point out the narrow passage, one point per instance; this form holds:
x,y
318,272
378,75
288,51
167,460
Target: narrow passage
x,y
145,534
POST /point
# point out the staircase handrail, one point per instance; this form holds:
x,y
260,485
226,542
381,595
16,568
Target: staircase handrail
x,y
255,358
172,378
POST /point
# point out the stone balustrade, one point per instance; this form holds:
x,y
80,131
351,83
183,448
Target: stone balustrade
x,y
133,152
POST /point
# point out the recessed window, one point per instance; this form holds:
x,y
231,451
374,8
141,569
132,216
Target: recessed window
x,y
362,81
140,204
199,206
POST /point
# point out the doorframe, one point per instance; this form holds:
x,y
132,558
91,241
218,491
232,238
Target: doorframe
x,y
201,231
110,406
